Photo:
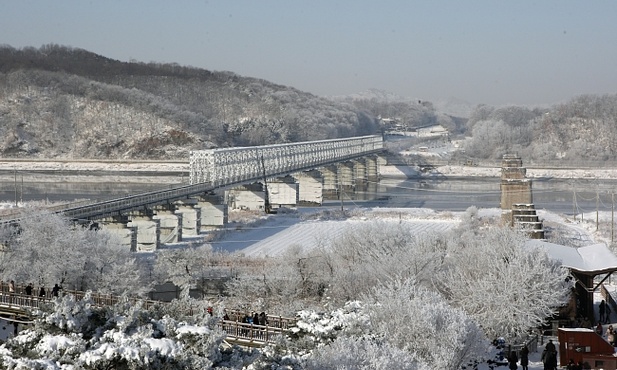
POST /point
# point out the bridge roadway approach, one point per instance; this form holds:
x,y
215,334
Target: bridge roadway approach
x,y
143,221
18,307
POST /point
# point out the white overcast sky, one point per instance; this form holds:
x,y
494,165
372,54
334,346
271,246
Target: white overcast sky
x,y
489,51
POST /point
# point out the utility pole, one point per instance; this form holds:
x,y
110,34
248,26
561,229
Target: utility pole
x,y
597,205
574,204
340,195
15,173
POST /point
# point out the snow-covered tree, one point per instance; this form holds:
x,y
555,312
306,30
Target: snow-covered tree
x,y
48,249
184,266
504,286
422,323
77,335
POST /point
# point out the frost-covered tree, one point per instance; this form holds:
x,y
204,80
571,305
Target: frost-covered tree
x,y
48,249
363,353
184,266
77,335
504,286
425,325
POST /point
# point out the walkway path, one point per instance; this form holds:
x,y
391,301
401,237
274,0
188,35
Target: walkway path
x,y
17,306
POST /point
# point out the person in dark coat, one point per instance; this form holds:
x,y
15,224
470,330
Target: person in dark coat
x,y
603,311
29,289
256,319
549,357
263,321
55,290
525,358
512,360
42,292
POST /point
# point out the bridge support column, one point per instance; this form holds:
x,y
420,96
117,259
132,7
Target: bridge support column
x,y
359,172
148,231
372,168
170,229
190,216
346,176
213,211
249,197
118,227
310,187
283,192
330,181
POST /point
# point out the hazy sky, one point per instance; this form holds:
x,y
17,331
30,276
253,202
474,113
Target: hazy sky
x,y
494,52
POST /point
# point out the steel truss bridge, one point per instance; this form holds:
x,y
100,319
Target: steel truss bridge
x,y
220,168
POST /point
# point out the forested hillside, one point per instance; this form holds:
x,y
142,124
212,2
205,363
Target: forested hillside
x,y
61,102
583,130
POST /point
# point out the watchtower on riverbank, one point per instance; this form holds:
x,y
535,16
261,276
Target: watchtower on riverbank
x,y
517,198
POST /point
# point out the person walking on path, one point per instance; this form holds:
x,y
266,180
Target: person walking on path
x,y
603,311
525,358
42,292
29,289
11,286
55,290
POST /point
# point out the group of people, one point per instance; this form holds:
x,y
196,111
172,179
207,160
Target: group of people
x,y
29,289
513,359
549,358
255,319
610,335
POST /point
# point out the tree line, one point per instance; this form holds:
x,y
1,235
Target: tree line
x,y
431,300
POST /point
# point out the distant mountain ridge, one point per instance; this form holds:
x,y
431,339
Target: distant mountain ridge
x,y
62,102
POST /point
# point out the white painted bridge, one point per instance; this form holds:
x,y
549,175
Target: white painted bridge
x,y
219,168
222,167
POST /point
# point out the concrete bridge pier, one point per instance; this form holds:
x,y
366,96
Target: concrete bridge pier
x,y
330,181
372,168
189,216
359,172
213,211
283,192
170,230
346,176
148,230
118,226
310,187
249,197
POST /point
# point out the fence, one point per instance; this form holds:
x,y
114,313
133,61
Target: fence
x,y
236,331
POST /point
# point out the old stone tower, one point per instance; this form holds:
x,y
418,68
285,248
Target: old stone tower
x,y
516,197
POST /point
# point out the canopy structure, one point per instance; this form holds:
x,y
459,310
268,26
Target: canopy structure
x,y
585,263
593,259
